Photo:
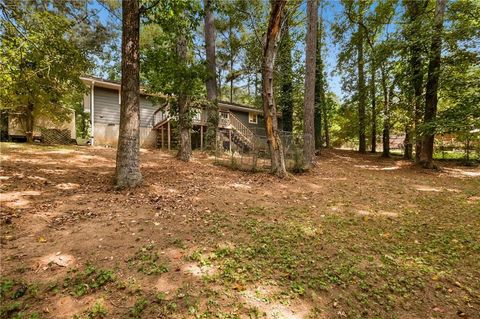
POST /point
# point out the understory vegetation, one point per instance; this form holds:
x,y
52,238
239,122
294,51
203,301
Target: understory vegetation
x,y
338,174
315,251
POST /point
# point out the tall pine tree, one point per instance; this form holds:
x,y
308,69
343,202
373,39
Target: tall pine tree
x,y
285,77
320,87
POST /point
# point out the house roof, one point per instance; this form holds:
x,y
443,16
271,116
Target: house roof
x,y
238,107
108,84
101,82
116,85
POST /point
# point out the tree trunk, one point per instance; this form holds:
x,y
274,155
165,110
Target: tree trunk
x,y
184,126
127,173
325,126
269,108
310,70
29,123
374,109
219,87
431,95
319,89
407,144
414,10
231,58
386,116
286,83
211,83
361,81
184,122
318,127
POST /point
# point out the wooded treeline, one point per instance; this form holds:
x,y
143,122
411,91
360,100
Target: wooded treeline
x,y
407,67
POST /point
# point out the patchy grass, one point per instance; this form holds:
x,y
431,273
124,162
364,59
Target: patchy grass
x,y
374,268
138,308
146,260
79,283
455,155
98,311
356,237
16,298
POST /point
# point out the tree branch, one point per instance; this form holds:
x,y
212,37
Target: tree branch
x,y
144,9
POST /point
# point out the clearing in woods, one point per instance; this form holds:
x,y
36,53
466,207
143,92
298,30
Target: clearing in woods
x,y
356,237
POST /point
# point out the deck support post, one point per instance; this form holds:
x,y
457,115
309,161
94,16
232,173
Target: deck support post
x,y
201,137
168,134
162,136
230,140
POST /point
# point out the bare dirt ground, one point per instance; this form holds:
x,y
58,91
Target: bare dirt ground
x,y
356,237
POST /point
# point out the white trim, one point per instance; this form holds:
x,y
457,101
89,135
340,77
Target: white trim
x,y
226,106
112,85
252,116
100,83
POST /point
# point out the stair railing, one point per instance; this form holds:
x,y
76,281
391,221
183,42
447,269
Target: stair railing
x,y
242,129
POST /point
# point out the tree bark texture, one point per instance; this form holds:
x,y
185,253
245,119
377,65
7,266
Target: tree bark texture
x,y
414,10
407,144
386,116
310,71
127,172
184,122
326,126
211,83
269,108
431,92
318,127
285,72
374,109
361,81
319,90
230,41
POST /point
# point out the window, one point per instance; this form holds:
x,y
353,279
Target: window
x,y
197,115
252,118
224,115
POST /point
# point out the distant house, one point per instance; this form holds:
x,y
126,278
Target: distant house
x,y
240,125
12,129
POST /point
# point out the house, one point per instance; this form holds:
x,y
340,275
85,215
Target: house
x,y
240,126
103,104
44,129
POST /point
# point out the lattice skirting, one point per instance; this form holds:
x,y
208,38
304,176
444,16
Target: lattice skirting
x,y
56,136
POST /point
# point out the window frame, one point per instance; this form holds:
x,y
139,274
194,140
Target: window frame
x,y
255,116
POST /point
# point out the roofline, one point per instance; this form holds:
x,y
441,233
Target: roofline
x,y
101,82
238,107
115,85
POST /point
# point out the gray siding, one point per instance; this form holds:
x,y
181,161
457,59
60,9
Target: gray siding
x,y
107,109
243,117
146,112
258,128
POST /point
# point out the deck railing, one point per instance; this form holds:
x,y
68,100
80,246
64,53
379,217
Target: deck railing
x,y
159,117
224,119
200,118
241,129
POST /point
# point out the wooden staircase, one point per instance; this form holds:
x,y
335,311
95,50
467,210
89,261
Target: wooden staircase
x,y
242,136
